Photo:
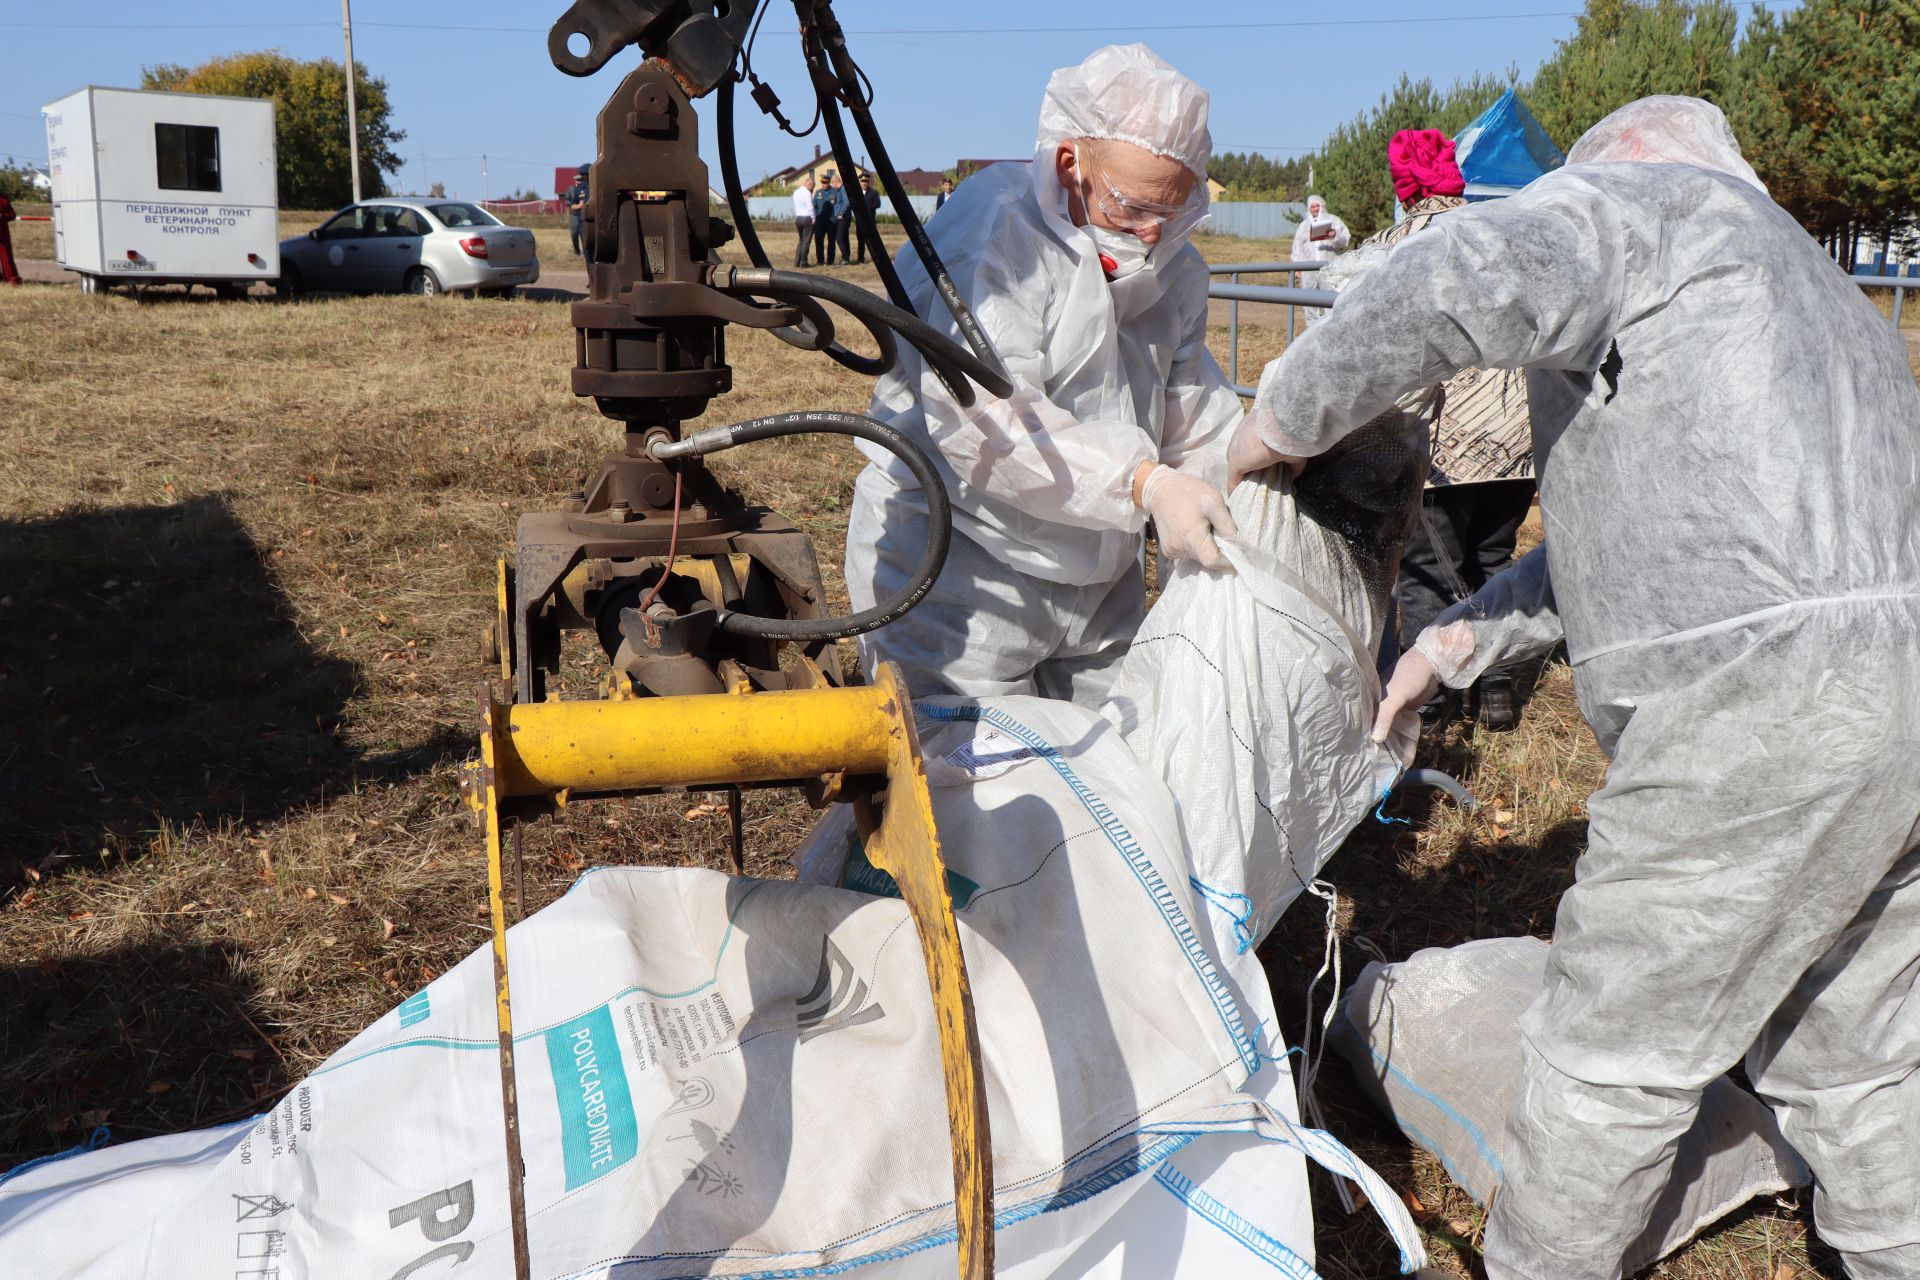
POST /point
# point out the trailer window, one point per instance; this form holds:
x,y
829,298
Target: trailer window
x,y
188,156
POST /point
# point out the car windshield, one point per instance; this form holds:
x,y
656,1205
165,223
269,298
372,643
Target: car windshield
x,y
462,214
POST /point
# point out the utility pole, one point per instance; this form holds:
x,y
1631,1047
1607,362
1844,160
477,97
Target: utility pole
x,y
483,178
353,116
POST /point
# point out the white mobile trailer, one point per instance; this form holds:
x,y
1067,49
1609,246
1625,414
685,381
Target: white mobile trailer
x,y
164,188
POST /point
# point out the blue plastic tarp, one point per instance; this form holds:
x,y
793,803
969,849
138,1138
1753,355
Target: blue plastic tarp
x,y
1505,146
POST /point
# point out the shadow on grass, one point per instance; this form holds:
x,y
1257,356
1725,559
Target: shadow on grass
x,y
152,671
146,1040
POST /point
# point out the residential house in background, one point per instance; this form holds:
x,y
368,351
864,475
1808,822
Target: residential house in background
x,y
918,182
964,169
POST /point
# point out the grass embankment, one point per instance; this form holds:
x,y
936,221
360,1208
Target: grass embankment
x,y
245,553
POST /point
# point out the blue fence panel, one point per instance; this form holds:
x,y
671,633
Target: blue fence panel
x,y
1255,219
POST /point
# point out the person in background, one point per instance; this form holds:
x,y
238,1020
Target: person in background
x,y
1079,269
576,201
946,189
827,203
1481,486
1728,437
1320,237
842,218
803,218
9,274
872,198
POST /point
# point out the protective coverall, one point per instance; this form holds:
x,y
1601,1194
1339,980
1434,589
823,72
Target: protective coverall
x,y
1043,589
1728,436
1333,239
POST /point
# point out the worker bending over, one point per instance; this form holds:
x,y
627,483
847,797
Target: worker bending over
x,y
1080,271
1728,441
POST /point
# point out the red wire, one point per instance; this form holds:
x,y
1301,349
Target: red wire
x,y
673,546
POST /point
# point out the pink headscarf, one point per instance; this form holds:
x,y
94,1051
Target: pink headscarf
x,y
1421,161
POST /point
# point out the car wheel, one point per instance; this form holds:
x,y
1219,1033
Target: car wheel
x,y
230,292
292,284
422,281
511,291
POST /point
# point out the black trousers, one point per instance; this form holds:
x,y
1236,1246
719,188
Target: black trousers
x,y
1466,532
878,247
805,227
840,229
823,241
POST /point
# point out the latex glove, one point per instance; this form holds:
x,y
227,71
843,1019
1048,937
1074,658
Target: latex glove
x,y
1249,452
1187,515
1397,723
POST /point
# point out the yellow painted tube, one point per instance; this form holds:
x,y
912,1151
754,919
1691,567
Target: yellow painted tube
x,y
697,740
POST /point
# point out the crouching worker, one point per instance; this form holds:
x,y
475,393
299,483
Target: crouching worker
x,y
1080,271
1728,437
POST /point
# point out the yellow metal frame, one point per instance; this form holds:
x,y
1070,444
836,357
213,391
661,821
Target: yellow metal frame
x,y
552,749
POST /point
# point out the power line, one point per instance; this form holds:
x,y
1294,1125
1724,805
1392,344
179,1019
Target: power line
x,y
161,26
1100,29
872,31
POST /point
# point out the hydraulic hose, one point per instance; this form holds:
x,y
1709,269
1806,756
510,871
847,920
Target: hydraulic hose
x,y
951,361
817,333
834,41
872,366
730,178
824,422
825,87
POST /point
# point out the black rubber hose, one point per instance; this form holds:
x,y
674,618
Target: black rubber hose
x,y
940,350
730,178
876,313
834,40
825,86
824,422
815,330
871,366
807,337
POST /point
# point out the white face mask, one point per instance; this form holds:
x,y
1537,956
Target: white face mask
x,y
1121,255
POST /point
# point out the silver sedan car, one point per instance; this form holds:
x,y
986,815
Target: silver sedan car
x,y
412,246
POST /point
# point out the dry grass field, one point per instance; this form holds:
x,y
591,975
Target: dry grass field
x,y
245,553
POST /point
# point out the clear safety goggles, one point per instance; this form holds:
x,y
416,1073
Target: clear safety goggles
x,y
1130,214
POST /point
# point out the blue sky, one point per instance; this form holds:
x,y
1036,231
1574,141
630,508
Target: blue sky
x,y
951,80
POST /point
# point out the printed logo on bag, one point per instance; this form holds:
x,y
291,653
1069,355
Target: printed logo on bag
x,y
417,1007
598,1130
248,1207
713,1173
694,1094
838,998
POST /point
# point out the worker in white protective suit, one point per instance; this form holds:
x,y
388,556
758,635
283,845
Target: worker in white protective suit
x,y
1320,237
1080,271
1728,437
